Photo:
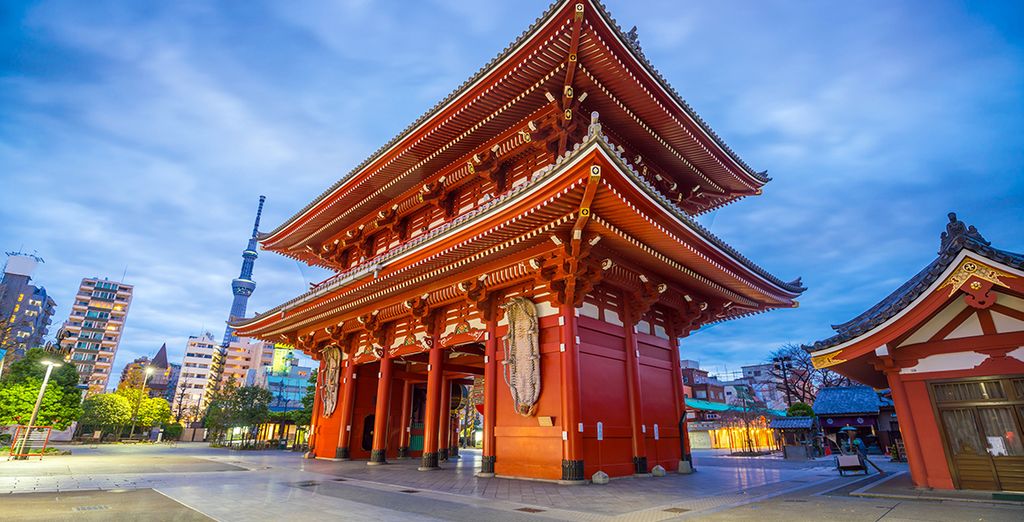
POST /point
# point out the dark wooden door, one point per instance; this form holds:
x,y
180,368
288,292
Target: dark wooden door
x,y
982,423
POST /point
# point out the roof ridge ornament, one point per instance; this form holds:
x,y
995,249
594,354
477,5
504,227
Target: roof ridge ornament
x,y
957,233
594,129
633,39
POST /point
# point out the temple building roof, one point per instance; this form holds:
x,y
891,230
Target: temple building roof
x,y
957,238
846,400
349,286
465,116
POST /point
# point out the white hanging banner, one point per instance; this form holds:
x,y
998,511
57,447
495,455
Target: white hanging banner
x,y
600,430
655,432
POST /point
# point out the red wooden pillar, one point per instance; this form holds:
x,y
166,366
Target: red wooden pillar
x,y
915,460
404,429
686,457
383,408
435,374
490,397
348,398
636,414
572,428
444,421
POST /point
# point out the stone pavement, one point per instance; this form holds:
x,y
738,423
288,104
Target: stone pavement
x,y
232,485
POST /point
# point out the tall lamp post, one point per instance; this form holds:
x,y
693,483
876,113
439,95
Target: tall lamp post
x,y
50,365
135,412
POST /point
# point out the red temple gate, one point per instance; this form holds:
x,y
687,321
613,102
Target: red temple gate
x,y
536,228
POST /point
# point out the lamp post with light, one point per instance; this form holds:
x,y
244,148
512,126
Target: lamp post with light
x,y
135,412
50,365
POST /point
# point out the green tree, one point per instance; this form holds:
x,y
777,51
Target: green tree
x,y
220,409
251,407
108,411
800,409
154,411
17,400
20,387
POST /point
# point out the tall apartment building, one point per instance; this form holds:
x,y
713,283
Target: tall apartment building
x,y
241,360
25,309
195,375
94,329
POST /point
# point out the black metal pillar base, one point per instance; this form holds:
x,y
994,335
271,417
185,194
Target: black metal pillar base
x,y
442,454
572,470
403,452
377,457
487,464
429,462
640,465
342,453
453,452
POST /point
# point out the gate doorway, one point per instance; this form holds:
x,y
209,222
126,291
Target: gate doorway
x,y
981,421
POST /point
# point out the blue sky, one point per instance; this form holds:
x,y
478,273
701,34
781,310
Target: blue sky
x,y
140,135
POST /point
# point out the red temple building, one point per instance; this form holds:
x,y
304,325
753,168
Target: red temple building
x,y
534,230
950,345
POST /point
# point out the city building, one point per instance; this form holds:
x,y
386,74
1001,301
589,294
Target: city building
x,y
162,377
286,380
948,345
766,384
551,198
195,376
94,328
25,309
240,361
703,387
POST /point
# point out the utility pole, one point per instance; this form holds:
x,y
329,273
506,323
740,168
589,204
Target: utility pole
x,y
783,364
35,411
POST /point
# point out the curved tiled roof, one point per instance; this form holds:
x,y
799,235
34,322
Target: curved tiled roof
x,y
846,400
632,44
956,238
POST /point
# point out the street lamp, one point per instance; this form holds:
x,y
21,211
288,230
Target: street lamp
x,y
135,412
50,365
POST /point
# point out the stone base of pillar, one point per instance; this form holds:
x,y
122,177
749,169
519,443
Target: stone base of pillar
x,y
342,453
442,454
403,452
453,452
685,467
309,455
377,457
487,466
640,465
429,462
572,472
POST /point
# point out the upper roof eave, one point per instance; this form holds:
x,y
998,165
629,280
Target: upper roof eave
x,y
756,178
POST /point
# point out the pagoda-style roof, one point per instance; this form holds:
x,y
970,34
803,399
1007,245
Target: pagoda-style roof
x,y
632,97
523,218
957,238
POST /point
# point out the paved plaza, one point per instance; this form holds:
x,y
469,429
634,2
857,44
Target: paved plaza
x,y
196,482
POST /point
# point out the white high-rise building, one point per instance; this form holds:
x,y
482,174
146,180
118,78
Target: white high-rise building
x,y
242,358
